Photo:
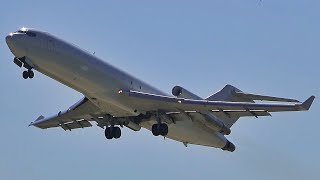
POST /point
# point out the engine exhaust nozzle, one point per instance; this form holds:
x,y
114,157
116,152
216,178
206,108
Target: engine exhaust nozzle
x,y
229,147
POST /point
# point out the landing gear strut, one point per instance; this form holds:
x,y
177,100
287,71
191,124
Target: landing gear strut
x,y
22,62
112,132
160,129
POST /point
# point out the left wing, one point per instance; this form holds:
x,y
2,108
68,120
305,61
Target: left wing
x,y
81,114
153,102
77,116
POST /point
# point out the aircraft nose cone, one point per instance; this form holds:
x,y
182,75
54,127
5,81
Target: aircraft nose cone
x,y
15,47
9,39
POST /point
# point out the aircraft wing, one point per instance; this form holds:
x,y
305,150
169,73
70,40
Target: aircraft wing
x,y
77,116
153,102
80,114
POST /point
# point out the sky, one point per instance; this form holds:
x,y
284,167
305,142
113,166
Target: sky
x,y
269,47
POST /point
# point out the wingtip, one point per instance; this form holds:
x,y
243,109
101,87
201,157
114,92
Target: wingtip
x,y
35,122
307,104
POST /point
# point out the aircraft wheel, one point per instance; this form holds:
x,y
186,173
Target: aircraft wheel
x,y
155,130
116,132
163,129
108,133
25,74
30,74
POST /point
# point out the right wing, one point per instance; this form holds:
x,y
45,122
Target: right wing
x,y
154,102
181,108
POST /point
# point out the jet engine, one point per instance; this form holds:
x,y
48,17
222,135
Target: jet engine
x,y
210,120
229,147
215,123
180,92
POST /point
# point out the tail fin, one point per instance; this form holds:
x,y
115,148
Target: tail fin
x,y
231,93
228,93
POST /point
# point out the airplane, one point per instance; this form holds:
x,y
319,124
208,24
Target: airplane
x,y
113,99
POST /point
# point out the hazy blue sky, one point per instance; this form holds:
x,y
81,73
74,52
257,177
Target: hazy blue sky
x,y
268,48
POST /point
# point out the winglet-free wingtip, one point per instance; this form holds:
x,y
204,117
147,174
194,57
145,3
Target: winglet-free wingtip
x,y
39,118
31,124
307,104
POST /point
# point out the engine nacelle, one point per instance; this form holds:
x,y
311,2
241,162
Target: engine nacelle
x,y
216,124
229,147
180,92
210,120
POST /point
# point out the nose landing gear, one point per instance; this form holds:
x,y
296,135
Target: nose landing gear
x,y
22,62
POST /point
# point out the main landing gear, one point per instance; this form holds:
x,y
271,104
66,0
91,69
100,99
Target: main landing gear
x,y
160,129
28,74
22,62
112,132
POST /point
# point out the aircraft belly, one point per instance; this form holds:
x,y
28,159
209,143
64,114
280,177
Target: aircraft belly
x,y
186,131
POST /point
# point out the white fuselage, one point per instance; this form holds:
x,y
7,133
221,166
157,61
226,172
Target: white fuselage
x,y
98,81
84,72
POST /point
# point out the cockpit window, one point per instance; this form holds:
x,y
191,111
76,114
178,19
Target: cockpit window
x,y
22,31
29,33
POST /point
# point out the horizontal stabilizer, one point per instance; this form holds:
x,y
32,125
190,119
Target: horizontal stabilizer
x,y
307,104
39,118
263,98
231,93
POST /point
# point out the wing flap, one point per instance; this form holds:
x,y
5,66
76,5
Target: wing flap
x,y
178,115
76,125
241,113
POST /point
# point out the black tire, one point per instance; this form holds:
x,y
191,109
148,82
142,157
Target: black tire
x,y
163,128
108,133
31,74
25,74
116,132
155,130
